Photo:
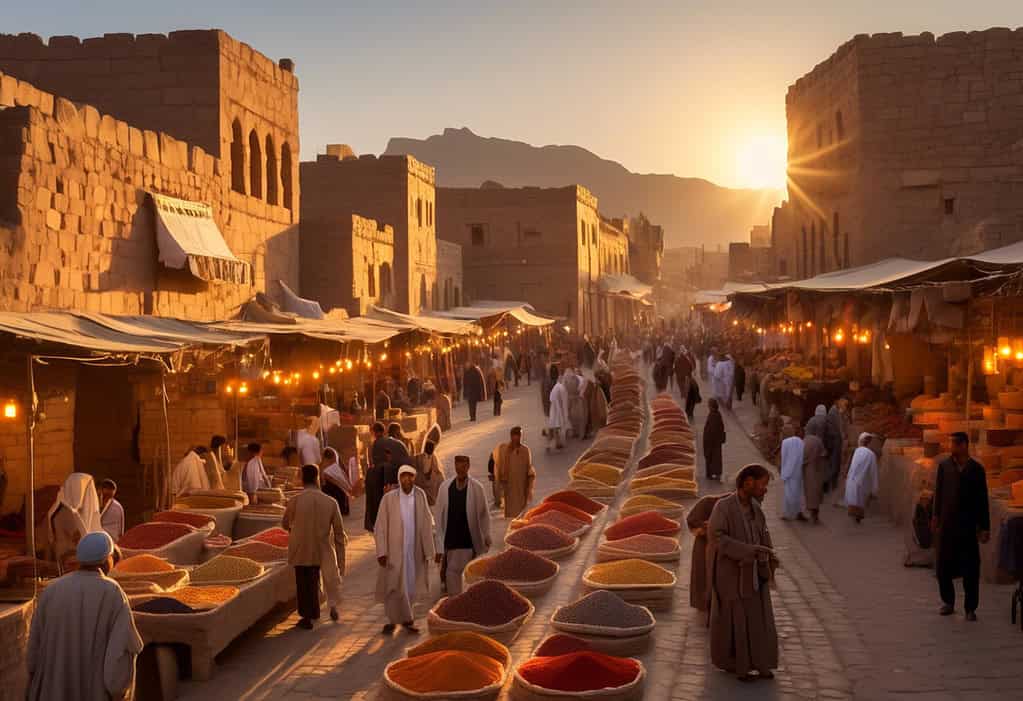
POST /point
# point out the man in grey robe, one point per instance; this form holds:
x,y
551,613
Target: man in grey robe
x,y
83,642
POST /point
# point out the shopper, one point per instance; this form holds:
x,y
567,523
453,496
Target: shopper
x,y
463,524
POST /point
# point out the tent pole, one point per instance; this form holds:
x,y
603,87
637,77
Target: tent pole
x,y
164,497
30,431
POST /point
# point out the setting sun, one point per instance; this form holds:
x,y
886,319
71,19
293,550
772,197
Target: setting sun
x,y
760,161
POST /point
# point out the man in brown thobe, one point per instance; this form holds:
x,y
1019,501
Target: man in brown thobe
x,y
743,638
697,519
513,468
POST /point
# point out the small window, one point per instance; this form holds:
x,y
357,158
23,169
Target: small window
x,y
423,301
477,235
839,126
372,280
419,211
272,178
286,188
255,166
593,235
532,235
385,279
950,206
456,297
582,232
237,158
845,238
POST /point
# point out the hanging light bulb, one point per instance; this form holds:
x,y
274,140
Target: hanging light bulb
x,y
277,379
1004,349
266,374
348,364
316,374
244,389
839,336
10,409
229,389
383,357
332,370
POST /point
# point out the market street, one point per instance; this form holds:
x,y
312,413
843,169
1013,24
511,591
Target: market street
x,y
820,648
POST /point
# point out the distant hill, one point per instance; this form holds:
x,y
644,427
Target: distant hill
x,y
692,211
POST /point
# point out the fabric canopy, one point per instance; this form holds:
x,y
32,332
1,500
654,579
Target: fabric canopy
x,y
422,322
624,286
187,236
339,330
101,333
489,309
307,308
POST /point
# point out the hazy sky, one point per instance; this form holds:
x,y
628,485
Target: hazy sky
x,y
691,88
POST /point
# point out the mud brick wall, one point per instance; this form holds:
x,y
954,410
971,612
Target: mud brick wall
x,y
393,190
339,255
80,229
449,274
906,146
14,631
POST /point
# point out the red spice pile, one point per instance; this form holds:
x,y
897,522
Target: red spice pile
x,y
559,520
579,671
273,536
568,509
486,603
147,536
579,501
189,519
539,537
515,565
561,644
644,522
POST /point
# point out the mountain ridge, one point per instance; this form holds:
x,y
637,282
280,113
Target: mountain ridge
x,y
692,210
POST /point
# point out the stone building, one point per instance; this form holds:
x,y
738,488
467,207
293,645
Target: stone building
x,y
530,244
394,190
613,256
103,124
449,274
904,146
646,249
347,263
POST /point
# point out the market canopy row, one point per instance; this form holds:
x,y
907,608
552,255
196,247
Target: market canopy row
x,y
492,311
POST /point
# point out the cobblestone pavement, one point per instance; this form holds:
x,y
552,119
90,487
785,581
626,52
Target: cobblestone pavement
x,y
823,646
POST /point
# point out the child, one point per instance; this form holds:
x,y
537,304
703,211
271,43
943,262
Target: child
x,y
111,512
498,388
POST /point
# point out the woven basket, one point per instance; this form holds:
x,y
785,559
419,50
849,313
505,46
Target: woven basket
x,y
186,550
655,599
525,588
140,587
669,493
619,588
396,692
584,629
504,634
606,552
555,554
675,512
167,581
619,647
521,690
667,468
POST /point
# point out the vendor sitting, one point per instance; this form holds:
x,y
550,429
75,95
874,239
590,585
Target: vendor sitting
x,y
74,513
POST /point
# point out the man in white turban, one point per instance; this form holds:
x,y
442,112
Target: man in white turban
x,y
74,513
189,474
83,642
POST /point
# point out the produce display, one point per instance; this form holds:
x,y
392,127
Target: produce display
x,y
648,502
445,671
605,474
465,641
486,603
631,572
602,608
644,522
226,568
539,537
580,671
577,514
513,565
148,536
142,564
273,536
258,551
577,500
185,517
560,644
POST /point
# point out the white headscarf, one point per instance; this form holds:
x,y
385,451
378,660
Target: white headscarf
x,y
821,410
78,495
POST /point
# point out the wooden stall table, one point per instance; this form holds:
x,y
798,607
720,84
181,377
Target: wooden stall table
x,y
207,633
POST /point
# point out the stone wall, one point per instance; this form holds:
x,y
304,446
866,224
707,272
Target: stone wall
x,y
646,250
905,146
449,274
347,263
393,190
526,244
81,230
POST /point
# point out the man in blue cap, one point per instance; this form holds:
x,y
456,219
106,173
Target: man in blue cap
x,y
83,642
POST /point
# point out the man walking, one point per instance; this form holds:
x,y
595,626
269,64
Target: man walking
x,y
474,388
463,524
743,637
513,468
713,438
404,544
961,519
315,548
83,642
387,454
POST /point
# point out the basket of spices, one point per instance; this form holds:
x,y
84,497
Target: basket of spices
x,y
577,500
560,644
227,569
199,599
635,581
649,502
671,470
579,675
673,489
258,551
145,568
432,678
593,489
177,542
525,572
194,519
607,623
489,607
605,474
577,514
643,522
573,527
545,541
645,546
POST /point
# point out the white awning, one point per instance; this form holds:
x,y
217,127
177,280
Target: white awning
x,y
187,236
624,286
494,311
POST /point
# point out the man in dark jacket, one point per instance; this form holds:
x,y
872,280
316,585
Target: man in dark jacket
x,y
713,439
474,388
961,519
387,455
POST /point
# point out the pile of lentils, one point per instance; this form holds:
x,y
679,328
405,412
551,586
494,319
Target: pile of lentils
x,y
602,608
486,603
515,565
539,537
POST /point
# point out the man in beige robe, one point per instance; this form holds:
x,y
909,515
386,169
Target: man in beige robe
x,y
83,642
463,524
743,638
697,519
404,542
442,404
74,513
316,545
513,468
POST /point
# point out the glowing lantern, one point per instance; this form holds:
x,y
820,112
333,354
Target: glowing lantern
x,y
990,361
244,389
10,410
316,374
839,336
332,370
348,364
383,357
1004,349
229,389
277,379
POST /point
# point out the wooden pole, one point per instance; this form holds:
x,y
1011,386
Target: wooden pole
x,y
164,499
30,432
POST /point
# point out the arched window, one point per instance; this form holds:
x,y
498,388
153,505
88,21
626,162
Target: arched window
x,y
237,158
593,235
372,280
385,280
255,166
582,232
271,171
419,211
286,188
839,126
422,292
435,293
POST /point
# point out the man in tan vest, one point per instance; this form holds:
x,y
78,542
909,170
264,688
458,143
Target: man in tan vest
x,y
316,547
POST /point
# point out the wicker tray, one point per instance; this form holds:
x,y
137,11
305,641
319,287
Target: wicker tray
x,y
606,552
557,553
654,599
619,647
396,692
669,493
504,634
527,589
521,690
592,631
167,581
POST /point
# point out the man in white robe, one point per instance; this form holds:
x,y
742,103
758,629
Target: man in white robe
x,y
862,481
308,442
557,419
254,476
404,543
74,513
724,374
111,511
189,474
792,474
83,642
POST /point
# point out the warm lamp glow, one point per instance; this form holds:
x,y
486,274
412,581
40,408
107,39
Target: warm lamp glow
x,y
244,389
230,389
332,370
735,322
316,374
348,364
10,410
839,336
277,379
383,357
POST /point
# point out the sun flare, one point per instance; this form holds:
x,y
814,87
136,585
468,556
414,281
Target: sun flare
x,y
760,160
